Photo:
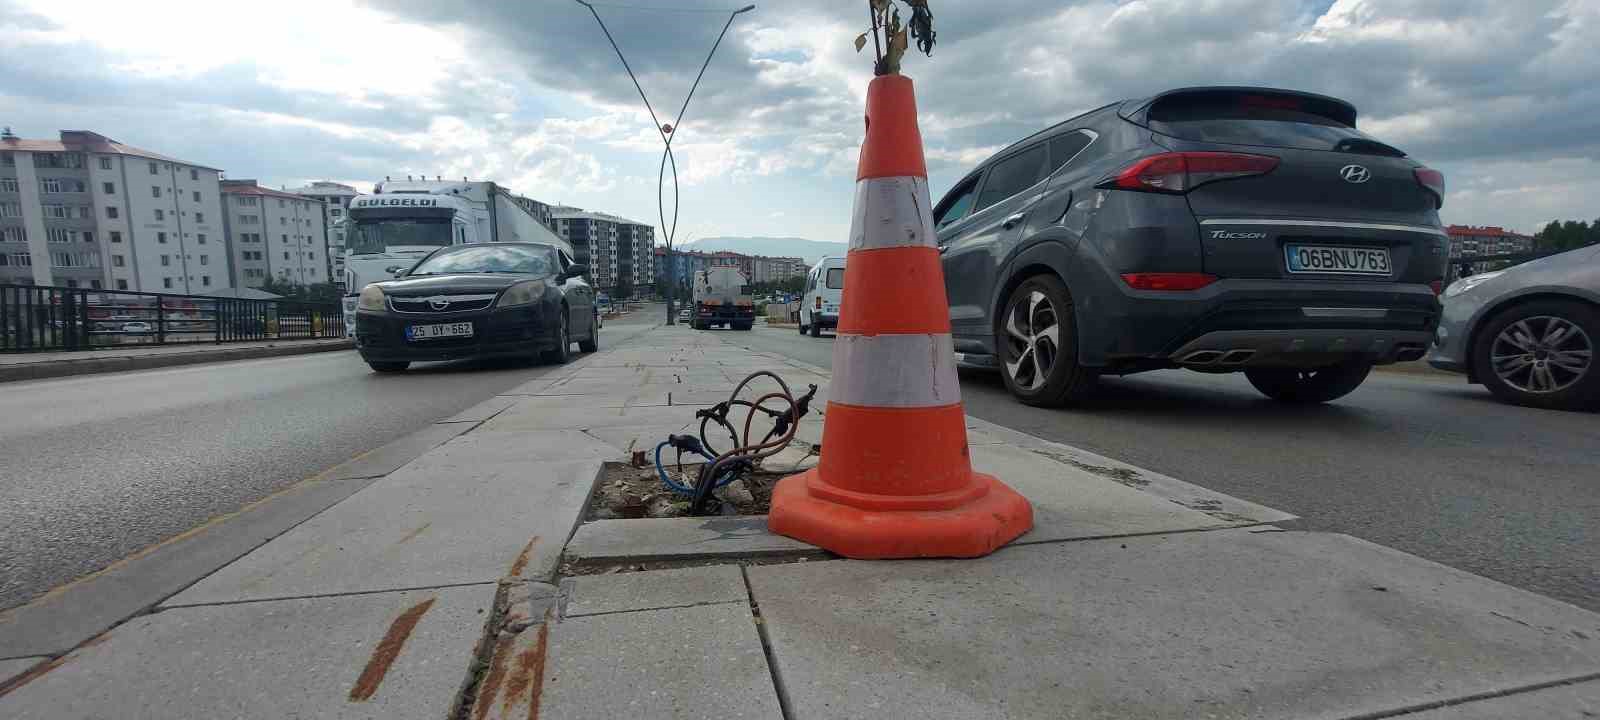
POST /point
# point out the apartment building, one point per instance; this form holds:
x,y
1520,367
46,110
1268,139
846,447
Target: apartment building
x,y
335,198
87,211
620,252
274,234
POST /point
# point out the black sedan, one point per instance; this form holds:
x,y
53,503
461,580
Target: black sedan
x,y
481,300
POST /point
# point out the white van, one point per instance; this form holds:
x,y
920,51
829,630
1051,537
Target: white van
x,y
819,306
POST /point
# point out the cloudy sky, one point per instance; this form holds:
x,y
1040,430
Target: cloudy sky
x,y
1499,95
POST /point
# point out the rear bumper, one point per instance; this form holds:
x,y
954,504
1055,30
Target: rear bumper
x,y
1283,322
825,320
512,331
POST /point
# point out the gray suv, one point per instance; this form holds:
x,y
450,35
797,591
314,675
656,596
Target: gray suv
x,y
1220,229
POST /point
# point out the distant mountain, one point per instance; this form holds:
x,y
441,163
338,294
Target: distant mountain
x,y
809,250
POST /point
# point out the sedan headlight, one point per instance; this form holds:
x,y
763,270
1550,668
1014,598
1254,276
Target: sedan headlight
x,y
523,293
1470,282
371,298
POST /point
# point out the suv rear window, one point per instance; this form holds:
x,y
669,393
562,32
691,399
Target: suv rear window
x,y
1268,120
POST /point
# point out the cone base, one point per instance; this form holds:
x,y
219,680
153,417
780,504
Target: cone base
x,y
973,529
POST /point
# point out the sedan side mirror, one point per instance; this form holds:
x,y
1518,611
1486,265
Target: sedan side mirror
x,y
575,270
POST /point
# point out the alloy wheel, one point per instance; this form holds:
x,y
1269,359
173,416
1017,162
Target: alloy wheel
x,y
1541,354
1033,334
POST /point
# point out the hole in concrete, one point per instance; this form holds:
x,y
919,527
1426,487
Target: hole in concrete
x,y
626,492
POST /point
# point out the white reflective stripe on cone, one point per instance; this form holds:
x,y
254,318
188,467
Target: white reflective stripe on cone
x,y
892,212
903,371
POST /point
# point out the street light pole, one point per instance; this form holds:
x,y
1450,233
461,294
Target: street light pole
x,y
666,131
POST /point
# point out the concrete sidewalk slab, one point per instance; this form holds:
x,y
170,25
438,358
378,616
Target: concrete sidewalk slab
x,y
445,519
683,538
620,399
16,666
1070,504
696,662
654,590
60,620
629,438
392,456
1230,623
384,655
531,448
1562,702
521,418
1211,502
483,410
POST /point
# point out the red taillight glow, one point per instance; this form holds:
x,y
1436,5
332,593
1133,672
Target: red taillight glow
x,y
1433,180
819,302
1437,286
1171,282
1184,171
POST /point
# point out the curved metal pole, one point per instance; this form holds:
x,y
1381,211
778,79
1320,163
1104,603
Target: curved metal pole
x,y
668,231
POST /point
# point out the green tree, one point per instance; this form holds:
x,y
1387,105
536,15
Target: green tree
x,y
1560,236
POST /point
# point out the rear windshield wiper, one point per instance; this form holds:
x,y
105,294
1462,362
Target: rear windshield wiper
x,y
1364,146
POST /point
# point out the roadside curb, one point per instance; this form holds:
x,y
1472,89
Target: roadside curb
x,y
124,363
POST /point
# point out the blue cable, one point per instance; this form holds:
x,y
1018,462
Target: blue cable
x,y
667,480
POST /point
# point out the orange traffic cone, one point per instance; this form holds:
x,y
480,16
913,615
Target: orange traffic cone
x,y
895,478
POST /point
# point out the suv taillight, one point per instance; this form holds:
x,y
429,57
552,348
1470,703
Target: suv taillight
x,y
1180,172
819,302
1433,180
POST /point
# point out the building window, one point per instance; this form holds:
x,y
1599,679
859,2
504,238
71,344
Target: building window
x,y
199,217
116,237
109,188
286,240
7,159
281,203
118,261
94,284
336,212
281,219
154,169
205,259
21,259
72,283
201,239
10,209
205,279
59,212
194,175
105,163
161,237
197,192
161,214
13,234
165,282
155,191
9,185
286,255
122,284
88,236
166,261
111,213
51,185
313,272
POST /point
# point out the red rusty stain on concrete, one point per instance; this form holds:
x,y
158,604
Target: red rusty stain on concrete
x,y
529,675
491,681
410,535
522,558
387,650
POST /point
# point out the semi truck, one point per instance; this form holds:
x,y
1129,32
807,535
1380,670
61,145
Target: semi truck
x,y
722,297
388,230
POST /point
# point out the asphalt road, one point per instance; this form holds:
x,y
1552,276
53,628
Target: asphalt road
x,y
1425,464
96,467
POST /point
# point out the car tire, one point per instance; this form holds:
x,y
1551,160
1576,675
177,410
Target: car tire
x,y
1305,386
1039,369
1570,385
803,329
387,367
816,330
592,344
561,354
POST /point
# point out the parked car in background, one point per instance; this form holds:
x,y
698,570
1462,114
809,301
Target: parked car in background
x,y
685,315
823,295
1529,332
137,327
479,300
1219,229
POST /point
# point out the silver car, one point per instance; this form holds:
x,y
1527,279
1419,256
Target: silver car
x,y
1528,333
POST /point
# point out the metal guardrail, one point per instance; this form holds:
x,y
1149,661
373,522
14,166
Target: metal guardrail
x,y
36,318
